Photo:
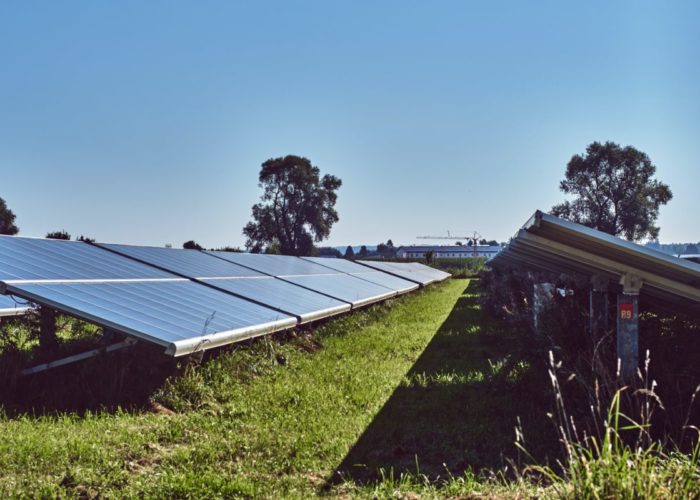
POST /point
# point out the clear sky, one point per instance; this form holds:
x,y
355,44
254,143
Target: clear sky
x,y
147,122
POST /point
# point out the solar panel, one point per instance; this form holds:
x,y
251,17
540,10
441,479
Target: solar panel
x,y
190,263
550,243
273,265
305,304
130,297
312,276
431,271
359,271
401,270
180,315
344,287
37,259
233,278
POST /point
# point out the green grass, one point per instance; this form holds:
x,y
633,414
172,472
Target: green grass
x,y
270,419
415,397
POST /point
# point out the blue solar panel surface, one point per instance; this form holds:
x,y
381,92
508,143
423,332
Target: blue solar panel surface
x,y
274,265
180,315
191,263
344,287
253,285
305,304
400,285
37,259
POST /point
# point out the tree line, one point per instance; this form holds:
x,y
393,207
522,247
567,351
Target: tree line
x,y
612,189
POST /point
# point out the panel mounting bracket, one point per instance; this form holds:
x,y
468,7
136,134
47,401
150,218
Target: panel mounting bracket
x,y
128,342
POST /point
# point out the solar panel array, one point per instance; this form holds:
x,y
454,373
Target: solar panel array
x,y
413,271
548,243
187,300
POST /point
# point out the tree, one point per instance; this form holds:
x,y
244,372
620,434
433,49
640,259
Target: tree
x,y
58,235
386,249
192,245
363,251
85,239
297,207
7,220
614,191
459,243
329,252
349,252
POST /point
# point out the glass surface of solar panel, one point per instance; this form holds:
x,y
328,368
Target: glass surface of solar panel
x,y
375,276
274,265
344,287
405,273
431,271
183,316
305,304
39,259
190,263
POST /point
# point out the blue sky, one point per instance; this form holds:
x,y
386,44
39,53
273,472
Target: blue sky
x,y
146,122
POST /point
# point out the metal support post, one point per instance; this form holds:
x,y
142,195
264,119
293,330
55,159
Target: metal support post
x,y
47,328
628,327
598,307
542,297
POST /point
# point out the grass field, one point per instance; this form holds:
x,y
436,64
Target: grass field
x,y
417,396
292,418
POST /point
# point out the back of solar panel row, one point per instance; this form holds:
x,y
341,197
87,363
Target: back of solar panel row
x,y
186,300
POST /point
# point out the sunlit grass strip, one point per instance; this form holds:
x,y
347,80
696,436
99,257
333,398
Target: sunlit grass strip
x,y
272,419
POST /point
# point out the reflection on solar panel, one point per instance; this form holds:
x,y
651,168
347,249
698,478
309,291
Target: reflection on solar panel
x,y
413,271
9,306
180,315
190,263
312,276
273,265
359,271
235,279
37,259
343,286
130,297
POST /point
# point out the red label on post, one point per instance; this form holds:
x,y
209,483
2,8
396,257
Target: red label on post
x,y
626,311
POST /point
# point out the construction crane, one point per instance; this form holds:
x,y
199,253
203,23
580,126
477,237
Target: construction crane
x,y
449,236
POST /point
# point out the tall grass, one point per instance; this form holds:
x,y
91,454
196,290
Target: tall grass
x,y
614,454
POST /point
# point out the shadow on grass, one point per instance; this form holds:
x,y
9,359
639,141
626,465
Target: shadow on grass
x,y
119,380
456,408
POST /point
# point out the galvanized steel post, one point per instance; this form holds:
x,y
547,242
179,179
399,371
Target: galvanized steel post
x,y
628,327
598,322
47,328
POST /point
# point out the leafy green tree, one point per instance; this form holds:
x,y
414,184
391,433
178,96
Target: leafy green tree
x,y
614,191
58,235
363,251
192,245
7,220
297,207
85,239
349,252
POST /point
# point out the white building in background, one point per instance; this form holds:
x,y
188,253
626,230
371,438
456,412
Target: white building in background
x,y
448,251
